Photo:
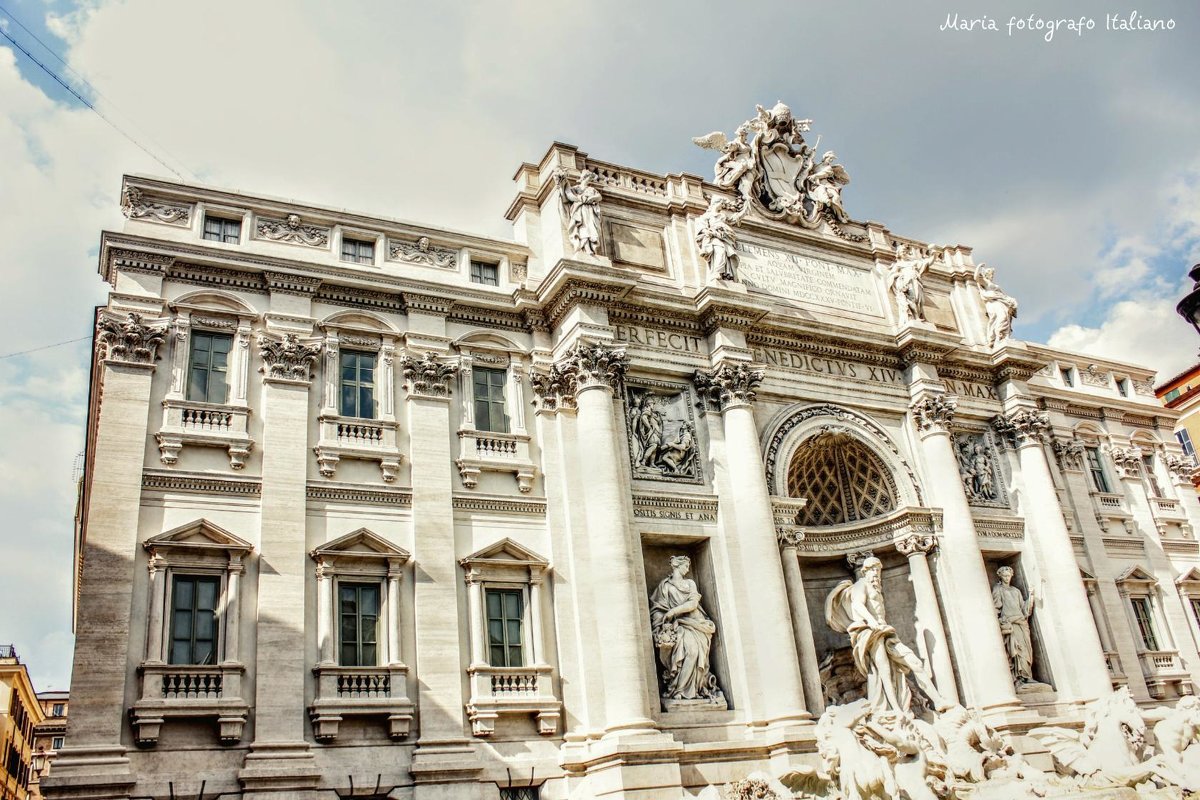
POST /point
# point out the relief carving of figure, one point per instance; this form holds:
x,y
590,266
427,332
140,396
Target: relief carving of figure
x,y
583,226
1001,309
856,608
646,425
717,241
1014,611
976,468
905,280
661,443
683,635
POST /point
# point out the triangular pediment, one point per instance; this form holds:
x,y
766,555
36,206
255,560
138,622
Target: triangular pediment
x,y
199,534
1087,576
1136,574
1191,576
362,543
505,552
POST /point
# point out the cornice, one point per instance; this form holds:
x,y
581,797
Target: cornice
x,y
489,318
199,483
572,283
831,348
330,491
355,297
500,504
290,283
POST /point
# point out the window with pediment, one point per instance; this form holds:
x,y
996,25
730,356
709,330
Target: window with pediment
x,y
206,402
192,665
842,479
492,434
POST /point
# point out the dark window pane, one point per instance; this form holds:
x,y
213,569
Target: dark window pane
x,y
358,612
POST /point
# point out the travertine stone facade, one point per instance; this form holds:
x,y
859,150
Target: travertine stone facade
x,y
397,517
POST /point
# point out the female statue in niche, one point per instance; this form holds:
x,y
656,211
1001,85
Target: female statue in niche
x,y
683,636
1014,611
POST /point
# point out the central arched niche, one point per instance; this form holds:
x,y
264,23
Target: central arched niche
x,y
842,479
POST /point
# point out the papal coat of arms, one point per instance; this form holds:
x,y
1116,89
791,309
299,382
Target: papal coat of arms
x,y
778,172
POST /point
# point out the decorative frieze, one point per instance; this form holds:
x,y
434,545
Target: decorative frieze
x,y
135,205
1144,388
933,413
139,261
287,359
682,508
196,483
423,253
292,230
131,340
350,493
1094,376
662,434
288,283
1023,427
427,376
1070,453
729,384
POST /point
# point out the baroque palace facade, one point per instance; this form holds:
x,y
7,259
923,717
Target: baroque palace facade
x,y
381,509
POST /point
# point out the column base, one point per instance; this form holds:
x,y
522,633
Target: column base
x,y
88,773
630,766
283,770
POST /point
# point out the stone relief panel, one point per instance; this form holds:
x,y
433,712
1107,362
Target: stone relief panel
x,y
662,433
422,252
636,245
979,468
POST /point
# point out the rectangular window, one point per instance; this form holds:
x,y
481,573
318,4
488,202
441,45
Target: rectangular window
x,y
358,251
1194,602
1068,378
485,273
1148,468
1185,441
1123,386
1145,621
357,385
209,367
488,387
217,229
59,708
504,611
194,619
57,742
358,612
1096,468
1171,395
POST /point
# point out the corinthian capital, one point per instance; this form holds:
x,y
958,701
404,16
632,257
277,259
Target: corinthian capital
x,y
554,389
1023,427
729,384
916,543
1181,467
287,359
933,413
594,365
426,376
130,340
1128,461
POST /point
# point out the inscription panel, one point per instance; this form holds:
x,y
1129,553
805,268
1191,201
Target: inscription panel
x,y
807,280
821,365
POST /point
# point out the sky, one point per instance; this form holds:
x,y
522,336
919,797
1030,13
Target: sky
x,y
1072,165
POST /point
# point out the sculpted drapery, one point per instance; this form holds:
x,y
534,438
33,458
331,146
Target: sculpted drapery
x,y
1014,611
683,636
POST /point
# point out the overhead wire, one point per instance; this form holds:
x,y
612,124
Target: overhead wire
x,y
44,347
64,84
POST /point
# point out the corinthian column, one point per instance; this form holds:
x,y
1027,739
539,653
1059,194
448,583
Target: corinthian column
x,y
778,694
983,662
595,371
790,538
931,636
1074,650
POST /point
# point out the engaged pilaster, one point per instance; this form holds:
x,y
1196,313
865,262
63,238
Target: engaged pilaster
x,y
1075,652
777,692
961,573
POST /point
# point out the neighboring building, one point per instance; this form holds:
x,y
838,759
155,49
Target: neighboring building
x,y
1182,394
369,503
50,735
20,714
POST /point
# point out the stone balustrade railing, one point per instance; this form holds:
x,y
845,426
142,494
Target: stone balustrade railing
x,y
486,451
358,438
173,690
512,690
188,423
363,692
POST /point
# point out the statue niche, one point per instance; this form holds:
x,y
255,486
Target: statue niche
x,y
683,640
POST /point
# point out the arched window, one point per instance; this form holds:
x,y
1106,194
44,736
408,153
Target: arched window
x,y
841,478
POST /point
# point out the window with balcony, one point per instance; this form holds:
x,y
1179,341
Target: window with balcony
x,y
220,229
359,672
358,414
1151,475
358,624
358,251
192,666
1144,616
485,273
508,670
488,392
1096,470
209,367
1156,647
357,382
